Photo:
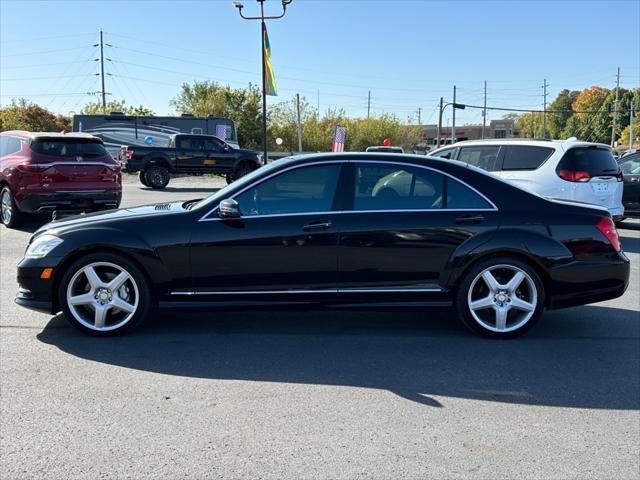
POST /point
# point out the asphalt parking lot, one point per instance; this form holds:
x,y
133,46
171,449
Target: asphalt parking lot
x,y
279,394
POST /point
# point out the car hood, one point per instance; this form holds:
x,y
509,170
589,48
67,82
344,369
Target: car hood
x,y
82,221
243,151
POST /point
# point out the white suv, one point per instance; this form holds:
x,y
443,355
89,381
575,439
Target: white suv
x,y
565,169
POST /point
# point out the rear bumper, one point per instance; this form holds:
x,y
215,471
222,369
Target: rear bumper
x,y
80,201
580,282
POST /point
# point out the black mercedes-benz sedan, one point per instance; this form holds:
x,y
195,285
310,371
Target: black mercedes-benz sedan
x,y
334,230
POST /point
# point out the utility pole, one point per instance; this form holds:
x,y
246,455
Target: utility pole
x,y
453,121
439,122
419,118
544,110
299,124
615,110
263,31
104,97
369,105
631,124
484,109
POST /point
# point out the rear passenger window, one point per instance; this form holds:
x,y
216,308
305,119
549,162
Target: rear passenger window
x,y
461,197
448,153
480,156
397,187
520,157
10,145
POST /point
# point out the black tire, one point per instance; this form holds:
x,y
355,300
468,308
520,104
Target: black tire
x,y
157,177
137,292
529,289
10,216
241,170
141,177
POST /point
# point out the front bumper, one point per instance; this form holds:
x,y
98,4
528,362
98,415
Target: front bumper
x,y
33,292
584,282
81,201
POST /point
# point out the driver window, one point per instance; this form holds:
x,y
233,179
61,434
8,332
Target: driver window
x,y
302,190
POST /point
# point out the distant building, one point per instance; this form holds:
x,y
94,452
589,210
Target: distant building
x,y
495,129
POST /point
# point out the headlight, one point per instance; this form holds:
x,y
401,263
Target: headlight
x,y
42,245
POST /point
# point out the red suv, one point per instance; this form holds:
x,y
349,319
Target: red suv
x,y
70,172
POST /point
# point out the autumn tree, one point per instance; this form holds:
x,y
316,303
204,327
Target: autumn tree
x,y
22,115
242,105
96,108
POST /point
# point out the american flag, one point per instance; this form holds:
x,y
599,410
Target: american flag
x,y
221,131
339,138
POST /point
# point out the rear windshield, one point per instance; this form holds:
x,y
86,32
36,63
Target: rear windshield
x,y
385,149
594,160
69,148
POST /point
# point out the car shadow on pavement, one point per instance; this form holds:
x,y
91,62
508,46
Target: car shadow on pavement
x,y
630,244
585,357
31,223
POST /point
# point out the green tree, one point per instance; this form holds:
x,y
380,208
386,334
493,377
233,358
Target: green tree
x,y
557,122
96,108
242,105
22,115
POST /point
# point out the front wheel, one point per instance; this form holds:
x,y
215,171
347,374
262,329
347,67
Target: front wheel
x,y
501,297
10,216
104,294
157,177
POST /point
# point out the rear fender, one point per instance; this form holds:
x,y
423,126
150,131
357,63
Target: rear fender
x,y
536,248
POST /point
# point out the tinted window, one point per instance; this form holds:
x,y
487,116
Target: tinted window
x,y
9,145
480,156
519,157
214,145
69,148
385,149
447,153
594,160
190,143
307,189
459,196
396,187
630,165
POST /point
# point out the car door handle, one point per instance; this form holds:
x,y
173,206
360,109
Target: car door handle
x,y
470,219
317,225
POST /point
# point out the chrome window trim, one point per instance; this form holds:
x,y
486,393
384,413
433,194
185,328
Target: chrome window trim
x,y
340,162
322,290
76,163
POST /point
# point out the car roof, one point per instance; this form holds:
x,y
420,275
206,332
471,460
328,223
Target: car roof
x,y
48,135
538,142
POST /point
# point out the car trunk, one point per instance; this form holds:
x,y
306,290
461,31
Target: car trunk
x,y
74,164
595,176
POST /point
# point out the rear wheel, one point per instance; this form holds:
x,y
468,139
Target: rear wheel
x,y
141,177
157,177
10,216
501,297
104,294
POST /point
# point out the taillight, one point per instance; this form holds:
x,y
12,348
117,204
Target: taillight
x,y
29,167
608,229
574,175
129,154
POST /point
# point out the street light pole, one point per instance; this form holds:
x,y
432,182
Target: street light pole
x,y
456,106
263,28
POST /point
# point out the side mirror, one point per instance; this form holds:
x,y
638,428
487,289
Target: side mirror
x,y
228,208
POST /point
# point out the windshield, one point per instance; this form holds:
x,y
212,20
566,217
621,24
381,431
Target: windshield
x,y
224,192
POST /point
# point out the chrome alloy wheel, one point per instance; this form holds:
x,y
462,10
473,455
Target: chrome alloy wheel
x,y
102,296
6,205
502,298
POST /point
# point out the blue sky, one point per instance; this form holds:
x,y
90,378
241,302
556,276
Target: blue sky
x,y
408,53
